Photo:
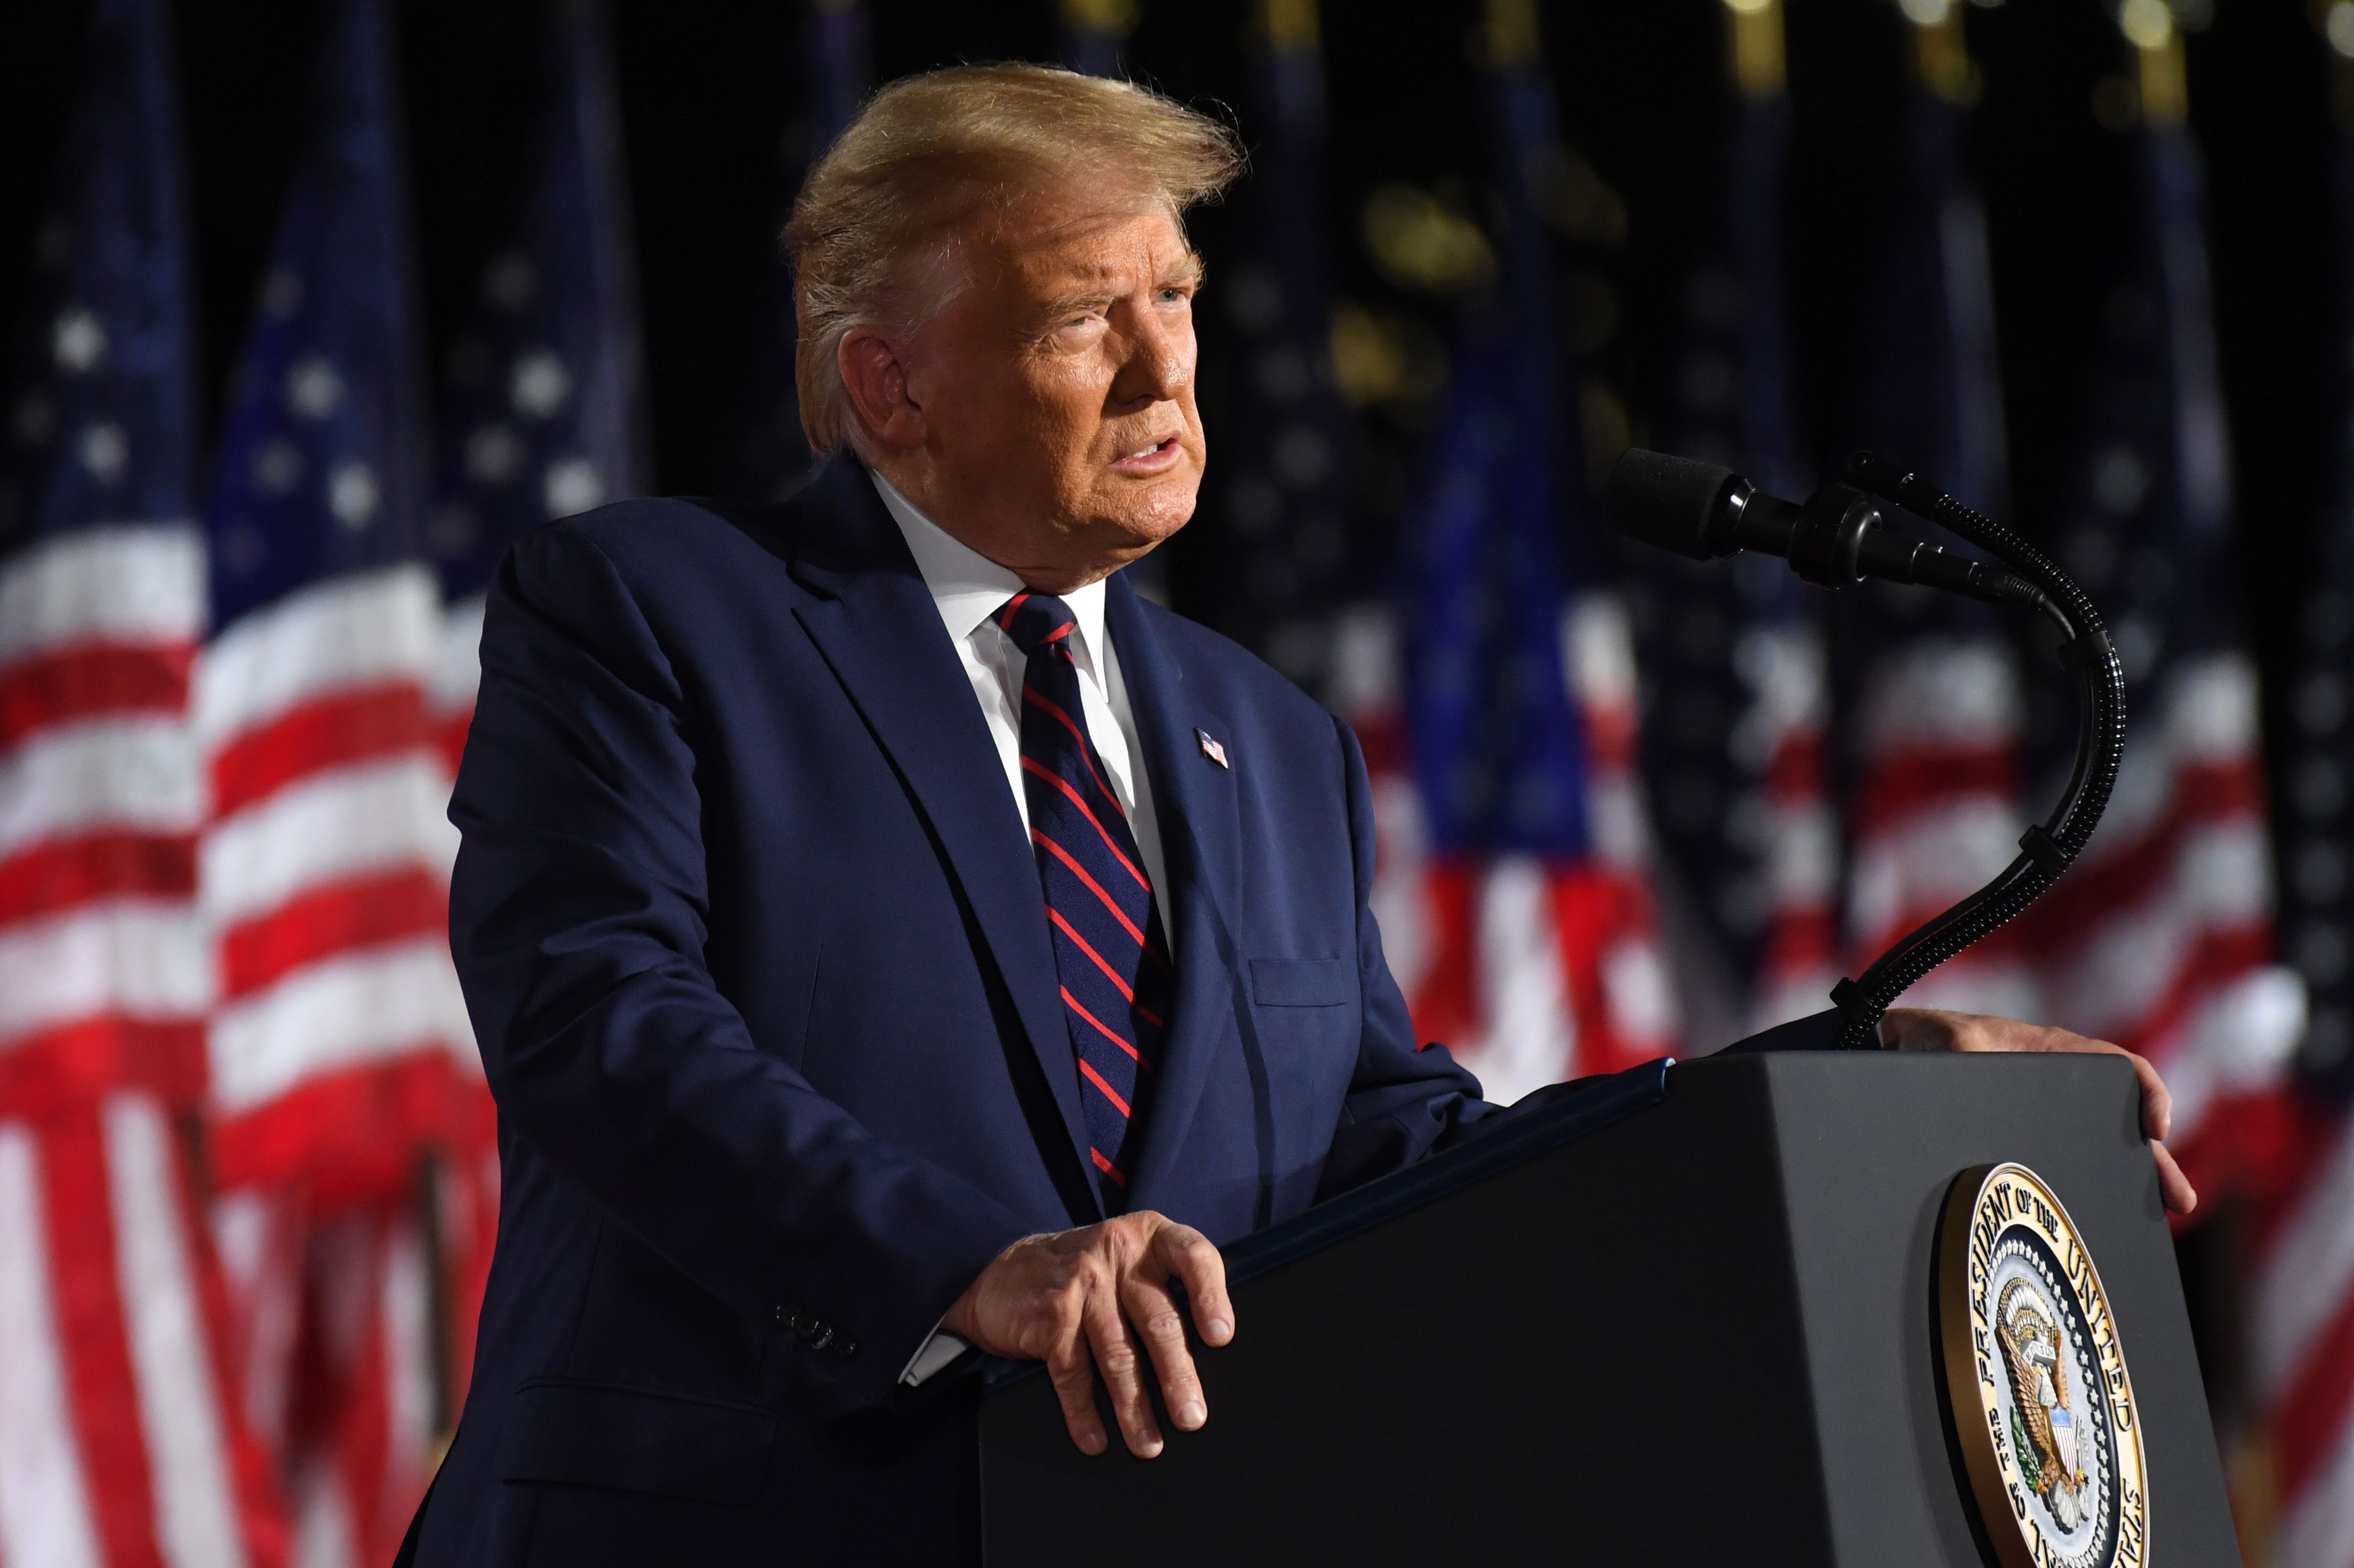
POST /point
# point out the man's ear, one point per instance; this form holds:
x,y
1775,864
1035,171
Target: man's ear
x,y
876,379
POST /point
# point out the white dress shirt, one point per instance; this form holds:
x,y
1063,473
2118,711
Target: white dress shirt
x,y
969,589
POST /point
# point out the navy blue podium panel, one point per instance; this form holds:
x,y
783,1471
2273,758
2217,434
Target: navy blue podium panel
x,y
1688,1317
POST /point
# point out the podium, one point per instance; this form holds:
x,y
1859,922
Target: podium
x,y
1687,1315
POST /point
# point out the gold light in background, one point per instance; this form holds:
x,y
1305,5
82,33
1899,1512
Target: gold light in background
x,y
1367,361
1758,64
2160,80
1941,56
1510,37
2336,20
1422,243
1288,24
1116,17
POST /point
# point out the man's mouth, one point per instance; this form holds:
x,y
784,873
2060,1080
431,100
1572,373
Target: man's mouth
x,y
1148,459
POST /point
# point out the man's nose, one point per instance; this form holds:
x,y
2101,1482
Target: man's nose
x,y
1160,360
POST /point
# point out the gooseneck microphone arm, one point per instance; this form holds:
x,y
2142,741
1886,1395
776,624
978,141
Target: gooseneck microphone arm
x,y
1834,540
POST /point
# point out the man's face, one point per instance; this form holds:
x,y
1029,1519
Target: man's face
x,y
1059,434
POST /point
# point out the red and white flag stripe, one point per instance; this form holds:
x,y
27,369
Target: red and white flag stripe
x,y
119,1444
2300,1335
1781,735
351,1495
2160,937
104,971
1530,971
1609,927
337,1322
341,1043
457,676
1939,815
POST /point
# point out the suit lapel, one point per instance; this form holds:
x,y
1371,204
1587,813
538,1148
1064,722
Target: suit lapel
x,y
881,633
1194,800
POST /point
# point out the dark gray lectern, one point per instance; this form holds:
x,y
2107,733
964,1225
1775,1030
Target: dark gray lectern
x,y
1684,1318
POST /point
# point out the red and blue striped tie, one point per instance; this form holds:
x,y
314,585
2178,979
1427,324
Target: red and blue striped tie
x,y
1108,949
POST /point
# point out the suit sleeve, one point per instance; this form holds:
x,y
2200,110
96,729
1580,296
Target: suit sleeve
x,y
578,919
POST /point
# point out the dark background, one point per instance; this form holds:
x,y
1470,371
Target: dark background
x,y
710,91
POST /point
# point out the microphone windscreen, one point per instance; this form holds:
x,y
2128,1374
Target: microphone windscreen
x,y
1666,501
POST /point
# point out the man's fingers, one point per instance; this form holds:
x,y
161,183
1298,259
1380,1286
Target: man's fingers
x,y
1153,1312
1073,1373
1189,1255
2172,1185
1123,1373
2156,1104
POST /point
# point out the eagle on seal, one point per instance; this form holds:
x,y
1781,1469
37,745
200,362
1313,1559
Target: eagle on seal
x,y
2030,1331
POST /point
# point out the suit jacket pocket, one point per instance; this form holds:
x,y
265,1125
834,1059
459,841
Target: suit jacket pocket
x,y
634,1440
1303,983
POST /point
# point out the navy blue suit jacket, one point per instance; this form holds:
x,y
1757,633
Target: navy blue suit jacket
x,y
757,955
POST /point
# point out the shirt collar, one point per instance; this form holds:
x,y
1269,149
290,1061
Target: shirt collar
x,y
968,587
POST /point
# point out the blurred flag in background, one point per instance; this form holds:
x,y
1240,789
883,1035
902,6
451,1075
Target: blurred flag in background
x,y
1735,697
121,1436
340,1050
836,76
2294,1474
2160,938
1281,504
1930,683
544,411
1535,953
544,416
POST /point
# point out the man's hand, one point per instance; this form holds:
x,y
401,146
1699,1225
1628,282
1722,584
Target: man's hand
x,y
1931,1029
1079,1300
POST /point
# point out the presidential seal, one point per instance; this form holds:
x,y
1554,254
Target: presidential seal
x,y
2043,1406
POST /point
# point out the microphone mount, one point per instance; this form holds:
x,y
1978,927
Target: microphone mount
x,y
1835,540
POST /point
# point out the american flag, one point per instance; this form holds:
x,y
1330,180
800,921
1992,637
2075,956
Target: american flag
x,y
340,1049
2162,937
120,1441
1531,947
2297,1152
544,416
1736,697
837,72
1934,807
544,412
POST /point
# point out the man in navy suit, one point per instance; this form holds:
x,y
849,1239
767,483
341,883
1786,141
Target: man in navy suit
x,y
888,935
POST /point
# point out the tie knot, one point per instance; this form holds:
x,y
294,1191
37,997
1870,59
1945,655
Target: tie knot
x,y
1035,619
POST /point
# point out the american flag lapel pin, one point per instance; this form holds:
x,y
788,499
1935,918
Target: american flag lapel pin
x,y
1212,749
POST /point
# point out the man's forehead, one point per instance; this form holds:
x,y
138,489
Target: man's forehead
x,y
1058,249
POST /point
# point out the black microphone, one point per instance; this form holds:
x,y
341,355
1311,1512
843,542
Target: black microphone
x,y
1834,540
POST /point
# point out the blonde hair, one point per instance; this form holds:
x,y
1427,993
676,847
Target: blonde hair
x,y
929,152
